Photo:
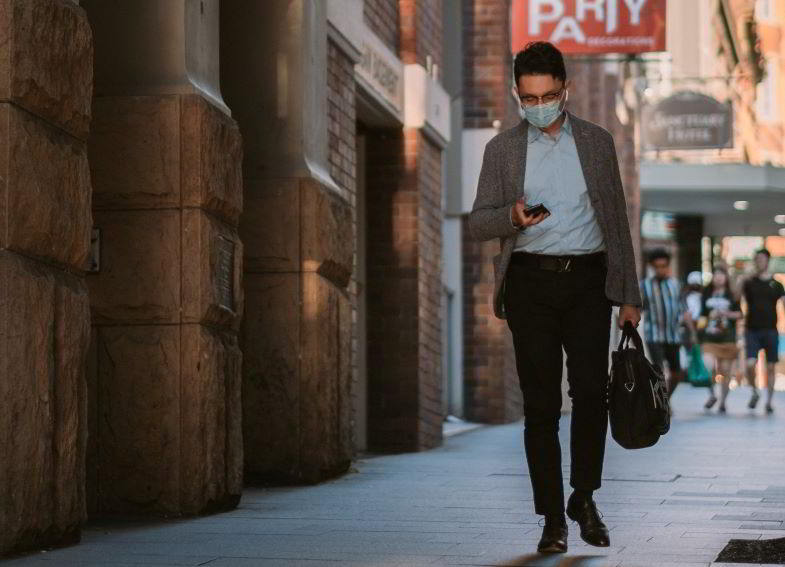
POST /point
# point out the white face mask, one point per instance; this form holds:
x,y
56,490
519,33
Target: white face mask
x,y
543,115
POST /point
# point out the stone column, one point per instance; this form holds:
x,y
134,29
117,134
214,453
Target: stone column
x,y
165,156
297,228
45,88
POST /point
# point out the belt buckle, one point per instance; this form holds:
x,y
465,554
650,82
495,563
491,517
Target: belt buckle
x,y
564,264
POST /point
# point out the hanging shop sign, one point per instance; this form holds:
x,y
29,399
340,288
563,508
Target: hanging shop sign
x,y
687,121
658,226
590,26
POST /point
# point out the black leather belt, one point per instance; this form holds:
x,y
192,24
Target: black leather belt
x,y
558,263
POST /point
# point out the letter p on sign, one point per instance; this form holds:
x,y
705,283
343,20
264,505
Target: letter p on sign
x,y
589,26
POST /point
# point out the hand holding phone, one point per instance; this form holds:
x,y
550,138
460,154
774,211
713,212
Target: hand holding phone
x,y
535,210
524,216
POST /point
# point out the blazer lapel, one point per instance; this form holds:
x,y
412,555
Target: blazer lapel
x,y
520,145
586,156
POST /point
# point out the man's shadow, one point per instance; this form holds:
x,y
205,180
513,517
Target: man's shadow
x,y
540,560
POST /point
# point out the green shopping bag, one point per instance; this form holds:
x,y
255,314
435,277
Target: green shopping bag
x,y
697,373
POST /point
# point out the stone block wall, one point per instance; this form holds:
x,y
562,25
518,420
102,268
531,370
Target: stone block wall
x,y
45,219
296,404
167,300
298,235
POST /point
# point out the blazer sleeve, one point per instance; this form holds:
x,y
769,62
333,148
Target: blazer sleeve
x,y
642,291
490,215
632,293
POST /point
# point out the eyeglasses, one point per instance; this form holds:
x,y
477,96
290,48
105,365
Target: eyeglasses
x,y
531,100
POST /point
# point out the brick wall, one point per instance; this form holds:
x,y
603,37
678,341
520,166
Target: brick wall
x,y
487,64
421,31
429,276
342,154
383,17
404,291
404,243
491,387
492,393
392,293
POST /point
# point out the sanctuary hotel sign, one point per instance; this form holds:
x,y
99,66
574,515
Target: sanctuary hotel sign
x,y
687,121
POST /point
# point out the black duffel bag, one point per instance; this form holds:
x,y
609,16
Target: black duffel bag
x,y
637,395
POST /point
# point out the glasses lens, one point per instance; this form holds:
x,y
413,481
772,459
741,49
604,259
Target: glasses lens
x,y
530,100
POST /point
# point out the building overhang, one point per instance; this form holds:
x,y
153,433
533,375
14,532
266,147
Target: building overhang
x,y
710,191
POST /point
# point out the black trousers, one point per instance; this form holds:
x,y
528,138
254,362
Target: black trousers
x,y
548,310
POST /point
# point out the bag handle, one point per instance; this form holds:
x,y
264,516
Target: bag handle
x,y
630,333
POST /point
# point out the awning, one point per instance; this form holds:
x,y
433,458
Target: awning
x,y
709,190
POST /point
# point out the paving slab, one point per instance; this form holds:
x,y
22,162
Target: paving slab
x,y
711,479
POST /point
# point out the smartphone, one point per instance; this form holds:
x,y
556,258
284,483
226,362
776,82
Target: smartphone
x,y
535,210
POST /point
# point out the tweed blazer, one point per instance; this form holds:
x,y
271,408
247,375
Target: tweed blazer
x,y
501,183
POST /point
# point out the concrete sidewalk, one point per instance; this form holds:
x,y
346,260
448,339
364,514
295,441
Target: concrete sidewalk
x,y
468,502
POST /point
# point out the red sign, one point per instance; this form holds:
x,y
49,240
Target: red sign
x,y
590,26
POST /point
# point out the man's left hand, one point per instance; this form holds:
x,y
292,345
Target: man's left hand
x,y
629,313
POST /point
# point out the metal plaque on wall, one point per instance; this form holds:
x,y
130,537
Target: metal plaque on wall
x,y
687,121
225,272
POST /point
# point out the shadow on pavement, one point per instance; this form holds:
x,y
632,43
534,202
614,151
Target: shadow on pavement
x,y
540,560
753,551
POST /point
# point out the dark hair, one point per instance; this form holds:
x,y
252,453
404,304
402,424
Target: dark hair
x,y
709,289
539,58
763,251
659,254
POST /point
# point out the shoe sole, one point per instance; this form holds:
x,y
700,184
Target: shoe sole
x,y
552,549
596,544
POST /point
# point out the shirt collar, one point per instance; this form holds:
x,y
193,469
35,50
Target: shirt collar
x,y
534,133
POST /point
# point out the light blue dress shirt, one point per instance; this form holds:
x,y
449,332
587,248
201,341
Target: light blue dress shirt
x,y
554,178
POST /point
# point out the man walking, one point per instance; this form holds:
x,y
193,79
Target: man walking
x,y
664,309
558,274
761,293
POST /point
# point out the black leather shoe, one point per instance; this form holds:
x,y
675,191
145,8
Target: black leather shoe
x,y
584,511
554,535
